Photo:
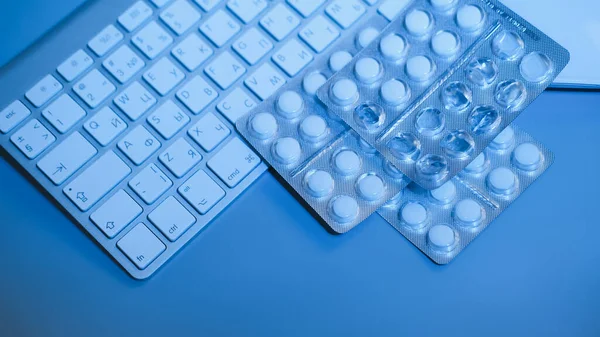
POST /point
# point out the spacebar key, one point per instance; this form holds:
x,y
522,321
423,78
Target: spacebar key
x,y
96,181
233,162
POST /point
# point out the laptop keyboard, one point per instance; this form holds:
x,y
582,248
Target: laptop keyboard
x,y
136,129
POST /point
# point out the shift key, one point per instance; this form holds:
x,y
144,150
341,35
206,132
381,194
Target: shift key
x,y
233,162
96,181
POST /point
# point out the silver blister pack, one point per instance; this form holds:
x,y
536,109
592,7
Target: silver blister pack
x,y
316,152
441,82
443,221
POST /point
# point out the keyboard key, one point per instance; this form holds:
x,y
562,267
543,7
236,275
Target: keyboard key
x,y
319,33
139,144
171,218
201,192
105,126
140,245
207,5
66,158
279,22
305,7
192,52
390,8
75,65
135,101
135,16
150,184
94,88
116,213
209,132
105,40
168,119
219,28
12,116
63,113
246,10
265,81
123,64
225,70
43,91
32,138
197,94
252,46
345,12
180,157
180,16
233,162
152,40
235,105
96,181
164,76
292,57
160,3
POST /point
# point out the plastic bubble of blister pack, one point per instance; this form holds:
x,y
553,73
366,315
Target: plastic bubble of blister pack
x,y
341,177
441,82
443,221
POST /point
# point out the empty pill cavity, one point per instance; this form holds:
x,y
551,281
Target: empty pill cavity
x,y
405,146
483,119
535,67
510,94
432,168
482,71
369,116
508,46
392,171
366,147
430,122
457,96
458,144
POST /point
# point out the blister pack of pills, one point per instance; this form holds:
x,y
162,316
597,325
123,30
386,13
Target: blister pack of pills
x,y
441,82
443,221
342,178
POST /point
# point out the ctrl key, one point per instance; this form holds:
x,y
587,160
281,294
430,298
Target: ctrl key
x,y
233,162
141,246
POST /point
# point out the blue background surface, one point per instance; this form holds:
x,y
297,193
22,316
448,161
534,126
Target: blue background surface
x,y
265,267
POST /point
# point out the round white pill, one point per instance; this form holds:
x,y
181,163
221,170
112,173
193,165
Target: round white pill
x,y
527,157
441,237
420,68
535,67
319,183
344,209
414,215
264,125
338,60
290,104
443,4
469,17
313,128
502,181
344,92
444,194
393,47
347,162
367,70
287,150
504,139
366,36
394,92
312,82
445,43
468,212
477,165
418,22
371,187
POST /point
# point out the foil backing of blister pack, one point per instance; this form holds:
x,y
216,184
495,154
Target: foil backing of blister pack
x,y
443,221
469,96
279,134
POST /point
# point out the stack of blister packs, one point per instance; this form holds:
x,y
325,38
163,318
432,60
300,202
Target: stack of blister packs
x,y
415,126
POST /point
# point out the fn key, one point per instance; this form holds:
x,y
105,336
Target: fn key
x,y
233,162
141,246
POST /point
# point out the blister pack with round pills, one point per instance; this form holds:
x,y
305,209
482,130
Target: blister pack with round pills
x,y
443,221
317,153
441,82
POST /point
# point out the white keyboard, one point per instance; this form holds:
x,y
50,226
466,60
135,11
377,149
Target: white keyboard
x,y
133,133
